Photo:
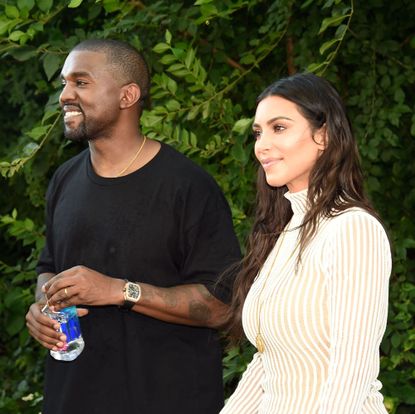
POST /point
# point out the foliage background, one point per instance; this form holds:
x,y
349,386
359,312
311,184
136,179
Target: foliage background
x,y
209,60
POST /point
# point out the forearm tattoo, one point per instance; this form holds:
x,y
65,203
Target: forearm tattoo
x,y
169,297
199,311
197,298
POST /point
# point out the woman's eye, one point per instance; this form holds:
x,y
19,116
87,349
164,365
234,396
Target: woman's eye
x,y
256,134
278,128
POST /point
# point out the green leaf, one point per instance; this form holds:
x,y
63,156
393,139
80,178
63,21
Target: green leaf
x,y
38,132
200,2
399,95
30,148
180,73
173,105
206,110
168,59
172,86
12,11
74,4
44,5
328,4
341,30
396,340
314,67
176,67
12,297
168,37
38,26
49,114
16,35
23,53
193,140
152,120
111,6
247,59
4,26
332,21
179,52
208,10
238,153
193,113
242,125
51,64
190,57
161,47
25,4
327,45
306,4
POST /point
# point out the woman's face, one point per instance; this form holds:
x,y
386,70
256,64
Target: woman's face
x,y
285,144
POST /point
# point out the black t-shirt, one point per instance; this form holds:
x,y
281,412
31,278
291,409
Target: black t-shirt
x,y
166,224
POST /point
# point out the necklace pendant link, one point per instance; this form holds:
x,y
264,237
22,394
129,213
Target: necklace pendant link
x,y
259,343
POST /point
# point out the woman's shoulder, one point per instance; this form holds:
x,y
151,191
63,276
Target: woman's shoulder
x,y
354,221
354,214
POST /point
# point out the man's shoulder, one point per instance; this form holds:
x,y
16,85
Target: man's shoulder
x,y
68,169
181,167
72,163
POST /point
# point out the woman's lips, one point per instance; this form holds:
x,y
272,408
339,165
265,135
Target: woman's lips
x,y
266,163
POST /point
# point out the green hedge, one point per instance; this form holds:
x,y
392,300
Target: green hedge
x,y
209,61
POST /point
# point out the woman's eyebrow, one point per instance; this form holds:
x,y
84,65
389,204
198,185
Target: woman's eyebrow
x,y
270,121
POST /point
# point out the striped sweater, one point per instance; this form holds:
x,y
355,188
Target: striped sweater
x,y
322,323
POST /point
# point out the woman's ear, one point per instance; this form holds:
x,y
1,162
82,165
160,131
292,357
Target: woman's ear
x,y
130,95
320,137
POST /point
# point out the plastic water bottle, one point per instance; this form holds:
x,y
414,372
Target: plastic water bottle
x,y
69,325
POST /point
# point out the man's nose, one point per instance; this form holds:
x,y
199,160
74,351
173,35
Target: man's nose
x,y
67,94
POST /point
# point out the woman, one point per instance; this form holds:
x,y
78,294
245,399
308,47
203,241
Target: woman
x,y
313,290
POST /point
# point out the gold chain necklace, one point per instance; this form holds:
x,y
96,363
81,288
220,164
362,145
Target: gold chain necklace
x,y
259,341
133,159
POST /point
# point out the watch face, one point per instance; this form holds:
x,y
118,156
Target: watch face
x,y
133,291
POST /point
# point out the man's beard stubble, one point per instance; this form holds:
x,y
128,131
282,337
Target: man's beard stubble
x,y
79,134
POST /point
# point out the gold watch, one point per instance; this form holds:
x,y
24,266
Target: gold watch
x,y
132,294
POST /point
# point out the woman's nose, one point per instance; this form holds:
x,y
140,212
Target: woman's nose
x,y
263,142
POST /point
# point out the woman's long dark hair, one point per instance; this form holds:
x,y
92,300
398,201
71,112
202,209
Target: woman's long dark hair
x,y
335,183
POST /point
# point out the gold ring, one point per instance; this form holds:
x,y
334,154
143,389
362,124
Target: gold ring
x,y
66,292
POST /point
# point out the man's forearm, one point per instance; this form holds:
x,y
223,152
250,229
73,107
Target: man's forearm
x,y
185,304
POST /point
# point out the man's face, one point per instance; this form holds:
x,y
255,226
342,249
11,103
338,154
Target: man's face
x,y
90,97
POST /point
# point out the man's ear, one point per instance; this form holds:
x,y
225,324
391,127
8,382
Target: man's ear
x,y
130,95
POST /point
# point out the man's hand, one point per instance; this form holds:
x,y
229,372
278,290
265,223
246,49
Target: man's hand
x,y
44,329
82,285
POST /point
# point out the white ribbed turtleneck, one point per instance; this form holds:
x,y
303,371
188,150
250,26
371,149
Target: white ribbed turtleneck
x,y
322,322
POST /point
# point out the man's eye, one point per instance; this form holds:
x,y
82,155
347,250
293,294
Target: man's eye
x,y
80,83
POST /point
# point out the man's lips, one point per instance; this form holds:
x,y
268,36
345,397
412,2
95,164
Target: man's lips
x,y
71,111
71,114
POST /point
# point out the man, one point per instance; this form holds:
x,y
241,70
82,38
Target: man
x,y
130,214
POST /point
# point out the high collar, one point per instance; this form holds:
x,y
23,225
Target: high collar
x,y
298,201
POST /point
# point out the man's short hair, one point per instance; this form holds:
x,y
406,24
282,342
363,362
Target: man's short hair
x,y
128,65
